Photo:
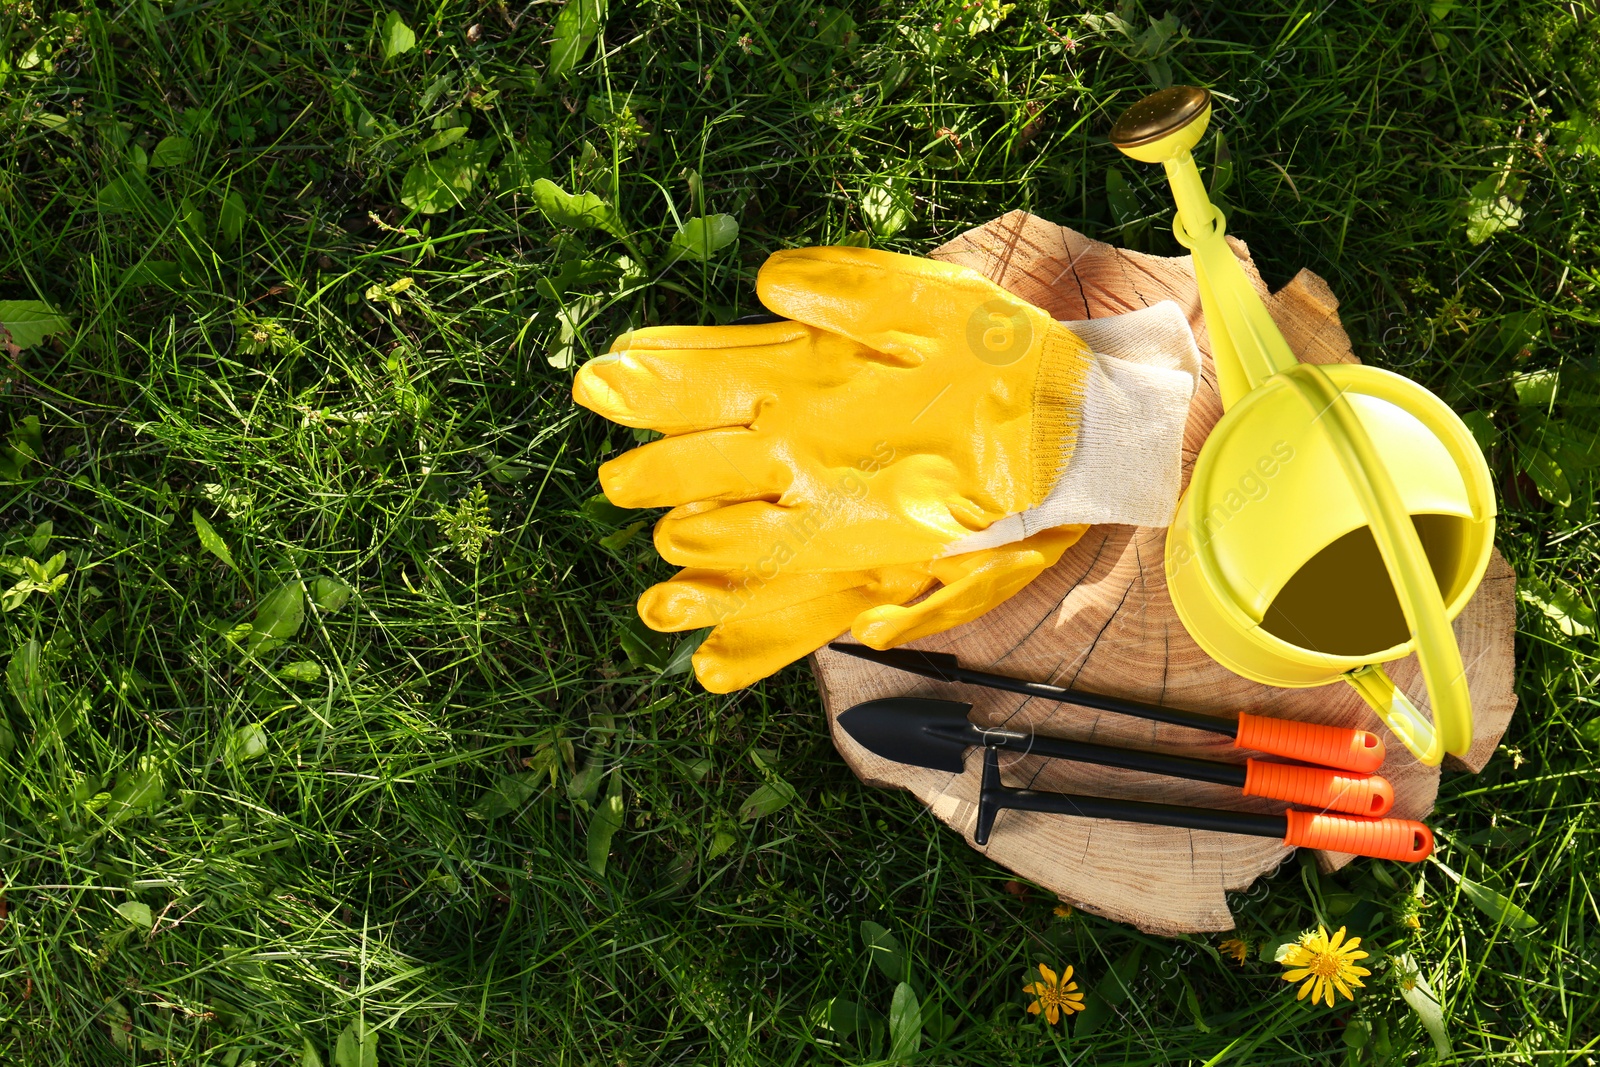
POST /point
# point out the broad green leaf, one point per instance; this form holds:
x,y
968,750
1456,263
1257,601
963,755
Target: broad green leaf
x,y
682,658
887,206
135,791
302,670
1590,731
583,786
1536,389
1112,989
509,794
835,27
120,1023
598,509
604,108
1483,430
575,29
617,539
701,238
357,1047
31,322
137,913
1561,605
309,1056
1489,211
603,826
772,797
442,139
1192,999
1519,332
985,15
884,949
329,594
25,677
231,217
1416,992
721,842
39,540
396,37
278,617
939,1025
581,211
212,541
843,1017
512,791
23,444
525,162
444,182
905,1024
643,646
126,195
1494,905
172,151
577,274
1548,477
247,743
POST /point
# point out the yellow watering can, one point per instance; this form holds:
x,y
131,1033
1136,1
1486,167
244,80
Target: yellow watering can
x,y
1338,517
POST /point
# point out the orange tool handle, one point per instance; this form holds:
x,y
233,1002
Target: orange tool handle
x,y
1319,787
1329,746
1386,839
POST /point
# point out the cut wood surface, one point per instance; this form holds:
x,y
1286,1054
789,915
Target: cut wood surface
x,y
1101,620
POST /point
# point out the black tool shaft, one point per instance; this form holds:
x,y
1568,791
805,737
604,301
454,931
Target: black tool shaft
x,y
1228,822
1024,744
944,667
994,798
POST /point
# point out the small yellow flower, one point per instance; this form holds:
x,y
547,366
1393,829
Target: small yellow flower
x,y
1237,947
1413,921
1063,911
1054,996
1326,964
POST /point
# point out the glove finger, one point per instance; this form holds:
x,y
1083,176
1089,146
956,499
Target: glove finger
x,y
766,538
753,645
728,464
696,597
678,379
973,583
904,306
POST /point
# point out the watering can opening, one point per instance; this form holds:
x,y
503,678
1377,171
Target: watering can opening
x,y
1341,602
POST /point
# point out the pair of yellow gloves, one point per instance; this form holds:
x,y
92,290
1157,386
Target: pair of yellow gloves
x,y
910,427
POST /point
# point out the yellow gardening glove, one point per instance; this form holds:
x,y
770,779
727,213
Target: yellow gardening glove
x,y
911,424
764,624
909,404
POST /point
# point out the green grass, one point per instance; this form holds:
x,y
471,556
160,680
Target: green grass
x,y
348,841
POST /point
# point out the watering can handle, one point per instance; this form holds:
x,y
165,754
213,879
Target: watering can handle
x,y
1414,584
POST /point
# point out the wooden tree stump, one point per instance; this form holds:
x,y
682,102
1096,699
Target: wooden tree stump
x,y
1101,620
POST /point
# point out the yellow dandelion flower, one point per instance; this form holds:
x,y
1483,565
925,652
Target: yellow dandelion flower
x,y
1054,996
1326,964
1237,947
1063,911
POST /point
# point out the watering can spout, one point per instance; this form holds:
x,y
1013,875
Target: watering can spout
x,y
1310,470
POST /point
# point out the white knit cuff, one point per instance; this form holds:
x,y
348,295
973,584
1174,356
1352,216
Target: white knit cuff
x,y
1126,460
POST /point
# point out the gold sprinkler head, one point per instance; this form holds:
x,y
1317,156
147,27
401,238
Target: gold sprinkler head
x,y
1163,125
